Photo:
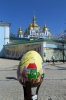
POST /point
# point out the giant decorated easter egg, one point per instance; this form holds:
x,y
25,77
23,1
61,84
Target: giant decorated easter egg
x,y
31,68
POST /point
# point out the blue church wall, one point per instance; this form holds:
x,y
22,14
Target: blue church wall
x,y
54,46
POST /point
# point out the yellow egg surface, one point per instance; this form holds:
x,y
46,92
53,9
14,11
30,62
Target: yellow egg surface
x,y
31,67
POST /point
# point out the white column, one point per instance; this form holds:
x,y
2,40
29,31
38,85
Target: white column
x,y
44,44
6,34
21,35
42,52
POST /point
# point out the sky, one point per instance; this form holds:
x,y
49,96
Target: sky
x,y
20,13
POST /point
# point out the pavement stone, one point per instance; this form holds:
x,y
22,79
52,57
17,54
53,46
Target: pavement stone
x,y
53,86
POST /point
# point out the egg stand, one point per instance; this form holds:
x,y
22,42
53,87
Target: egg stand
x,y
27,90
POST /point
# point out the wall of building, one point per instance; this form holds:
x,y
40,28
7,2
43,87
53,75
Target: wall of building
x,y
6,35
4,38
17,51
1,41
49,52
55,49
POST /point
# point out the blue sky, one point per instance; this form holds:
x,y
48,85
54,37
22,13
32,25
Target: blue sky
x,y
20,13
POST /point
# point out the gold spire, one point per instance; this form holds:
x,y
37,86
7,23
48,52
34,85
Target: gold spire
x,y
34,22
34,19
20,30
33,25
45,28
30,27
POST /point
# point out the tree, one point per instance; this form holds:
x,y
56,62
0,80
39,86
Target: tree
x,y
62,36
12,35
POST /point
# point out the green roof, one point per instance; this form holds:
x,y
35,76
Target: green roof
x,y
16,41
44,39
24,42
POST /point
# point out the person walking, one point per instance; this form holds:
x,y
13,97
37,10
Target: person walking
x,y
53,59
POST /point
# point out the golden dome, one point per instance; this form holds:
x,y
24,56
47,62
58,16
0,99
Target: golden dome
x,y
20,30
30,27
45,28
34,25
34,22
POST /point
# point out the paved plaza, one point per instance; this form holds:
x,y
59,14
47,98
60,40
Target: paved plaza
x,y
54,84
